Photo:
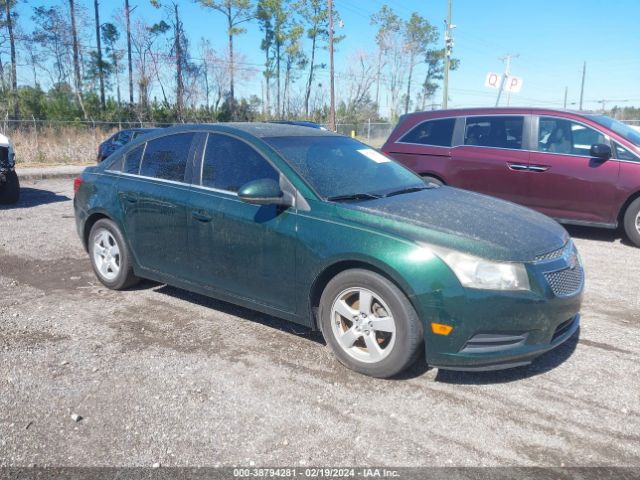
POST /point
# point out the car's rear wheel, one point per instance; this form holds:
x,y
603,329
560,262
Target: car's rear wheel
x,y
369,323
434,180
10,189
632,222
109,256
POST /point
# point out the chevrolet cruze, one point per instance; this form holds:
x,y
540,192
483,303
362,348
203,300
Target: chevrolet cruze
x,y
321,230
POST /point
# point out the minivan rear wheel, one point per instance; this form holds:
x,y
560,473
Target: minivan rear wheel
x,y
369,323
632,222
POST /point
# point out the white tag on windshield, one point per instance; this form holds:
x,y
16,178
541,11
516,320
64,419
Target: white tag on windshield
x,y
373,155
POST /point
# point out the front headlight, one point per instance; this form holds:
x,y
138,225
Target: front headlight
x,y
475,272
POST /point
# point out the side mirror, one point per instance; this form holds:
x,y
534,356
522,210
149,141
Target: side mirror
x,y
601,151
264,192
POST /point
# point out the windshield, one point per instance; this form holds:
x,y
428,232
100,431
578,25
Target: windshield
x,y
620,128
338,167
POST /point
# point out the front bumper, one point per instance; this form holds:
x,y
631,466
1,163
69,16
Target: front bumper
x,y
512,357
497,330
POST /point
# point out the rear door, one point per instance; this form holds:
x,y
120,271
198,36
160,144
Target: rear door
x,y
492,156
244,250
566,182
425,148
155,202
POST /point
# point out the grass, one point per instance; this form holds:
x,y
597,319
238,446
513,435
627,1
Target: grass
x,y
56,146
52,146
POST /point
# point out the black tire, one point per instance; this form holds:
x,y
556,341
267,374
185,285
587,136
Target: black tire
x,y
434,180
408,328
125,277
632,222
10,189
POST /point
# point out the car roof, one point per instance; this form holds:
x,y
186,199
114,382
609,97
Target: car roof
x,y
454,112
257,129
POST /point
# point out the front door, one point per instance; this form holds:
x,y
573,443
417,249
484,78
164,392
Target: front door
x,y
565,181
494,157
244,250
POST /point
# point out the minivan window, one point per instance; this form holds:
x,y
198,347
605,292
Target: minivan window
x,y
229,163
498,132
624,154
132,160
166,157
432,132
558,135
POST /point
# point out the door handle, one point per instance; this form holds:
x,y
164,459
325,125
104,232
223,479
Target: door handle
x,y
539,168
130,198
518,167
201,217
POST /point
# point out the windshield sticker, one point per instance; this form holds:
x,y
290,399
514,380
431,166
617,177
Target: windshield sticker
x,y
373,155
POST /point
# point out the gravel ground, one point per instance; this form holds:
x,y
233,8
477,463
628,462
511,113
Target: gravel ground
x,y
160,375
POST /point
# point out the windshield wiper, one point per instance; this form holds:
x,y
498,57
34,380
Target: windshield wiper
x,y
407,190
353,196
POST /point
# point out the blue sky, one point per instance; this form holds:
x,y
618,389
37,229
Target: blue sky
x,y
552,38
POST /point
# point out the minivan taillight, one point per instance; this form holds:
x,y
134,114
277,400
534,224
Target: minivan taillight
x,y
76,184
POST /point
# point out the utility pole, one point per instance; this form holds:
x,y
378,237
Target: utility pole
x,y
448,48
332,106
566,92
100,64
127,14
584,74
507,72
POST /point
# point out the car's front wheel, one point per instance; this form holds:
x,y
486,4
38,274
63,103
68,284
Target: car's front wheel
x,y
369,323
10,189
433,180
632,222
109,256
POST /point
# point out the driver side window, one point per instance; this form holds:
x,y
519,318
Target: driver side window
x,y
229,163
557,135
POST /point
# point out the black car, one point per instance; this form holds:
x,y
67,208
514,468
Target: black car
x,y
9,183
120,139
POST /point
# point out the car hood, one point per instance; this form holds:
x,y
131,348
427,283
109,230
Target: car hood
x,y
465,221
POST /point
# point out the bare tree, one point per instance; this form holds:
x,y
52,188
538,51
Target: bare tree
x,y
99,52
76,58
237,12
127,16
8,4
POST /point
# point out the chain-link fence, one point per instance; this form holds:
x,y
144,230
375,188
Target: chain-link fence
x,y
76,142
374,134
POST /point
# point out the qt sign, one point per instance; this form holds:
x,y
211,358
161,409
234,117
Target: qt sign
x,y
512,84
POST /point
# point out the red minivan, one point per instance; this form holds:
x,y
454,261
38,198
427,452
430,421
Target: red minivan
x,y
580,169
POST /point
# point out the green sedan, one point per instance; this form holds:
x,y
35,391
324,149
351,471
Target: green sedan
x,y
321,230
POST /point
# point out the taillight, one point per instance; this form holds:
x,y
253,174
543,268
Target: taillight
x,y
76,184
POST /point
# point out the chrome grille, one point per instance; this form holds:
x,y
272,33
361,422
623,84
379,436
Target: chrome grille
x,y
567,282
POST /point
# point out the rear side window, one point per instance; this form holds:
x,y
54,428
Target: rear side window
x,y
432,132
166,157
229,163
132,160
497,132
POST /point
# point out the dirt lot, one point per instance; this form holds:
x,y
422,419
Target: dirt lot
x,y
163,376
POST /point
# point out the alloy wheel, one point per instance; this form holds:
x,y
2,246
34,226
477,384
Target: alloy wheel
x,y
363,325
106,254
